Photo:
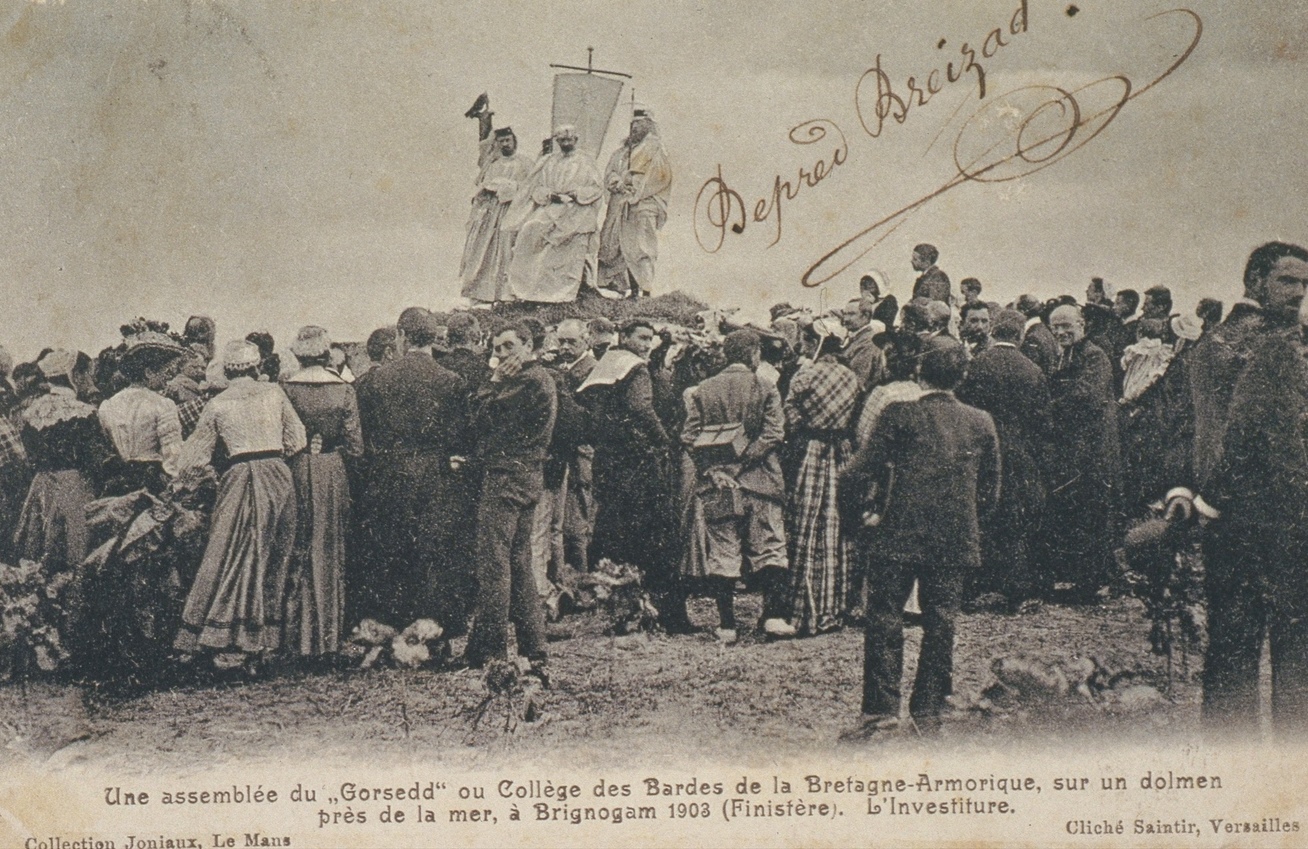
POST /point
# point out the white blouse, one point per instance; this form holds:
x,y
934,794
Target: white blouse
x,y
143,425
251,417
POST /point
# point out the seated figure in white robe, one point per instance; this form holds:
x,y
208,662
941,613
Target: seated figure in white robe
x,y
559,214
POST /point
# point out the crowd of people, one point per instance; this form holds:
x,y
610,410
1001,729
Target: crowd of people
x,y
990,456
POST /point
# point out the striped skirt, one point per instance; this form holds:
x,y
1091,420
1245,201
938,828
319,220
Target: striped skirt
x,y
236,600
820,557
315,608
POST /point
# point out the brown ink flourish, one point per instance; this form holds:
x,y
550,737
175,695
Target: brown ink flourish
x,y
1014,135
719,207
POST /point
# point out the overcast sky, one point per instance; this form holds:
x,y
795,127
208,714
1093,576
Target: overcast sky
x,y
274,164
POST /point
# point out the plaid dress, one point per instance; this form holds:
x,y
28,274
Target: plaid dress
x,y
818,412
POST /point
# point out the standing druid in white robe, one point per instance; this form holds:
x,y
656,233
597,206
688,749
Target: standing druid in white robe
x,y
560,220
489,245
639,181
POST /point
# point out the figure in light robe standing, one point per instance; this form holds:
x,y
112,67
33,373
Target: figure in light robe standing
x,y
639,182
489,246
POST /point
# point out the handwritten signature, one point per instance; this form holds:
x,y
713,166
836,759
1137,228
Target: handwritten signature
x,y
724,207
1012,135
1020,132
719,207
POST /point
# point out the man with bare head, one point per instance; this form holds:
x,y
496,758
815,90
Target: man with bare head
x,y
1099,292
412,411
549,552
561,217
467,355
975,327
1084,463
1246,477
489,246
861,354
932,283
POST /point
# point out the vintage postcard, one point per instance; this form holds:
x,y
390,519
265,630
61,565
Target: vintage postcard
x,y
843,423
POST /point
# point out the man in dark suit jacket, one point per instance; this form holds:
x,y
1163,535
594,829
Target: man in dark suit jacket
x,y
513,423
466,357
932,284
861,353
1009,387
935,463
568,475
1253,494
1038,343
414,411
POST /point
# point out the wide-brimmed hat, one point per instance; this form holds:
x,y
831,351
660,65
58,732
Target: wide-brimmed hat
x,y
149,342
824,327
311,342
239,354
57,363
1187,327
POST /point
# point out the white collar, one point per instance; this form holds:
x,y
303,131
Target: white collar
x,y
315,374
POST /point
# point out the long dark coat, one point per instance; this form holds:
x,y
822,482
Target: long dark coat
x,y
414,508
634,522
1008,386
1084,468
1261,484
1219,358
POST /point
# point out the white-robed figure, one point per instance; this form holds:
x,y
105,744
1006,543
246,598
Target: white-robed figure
x,y
489,246
639,182
560,219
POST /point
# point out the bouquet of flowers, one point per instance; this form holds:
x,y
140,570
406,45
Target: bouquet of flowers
x,y
133,584
375,643
1162,567
32,618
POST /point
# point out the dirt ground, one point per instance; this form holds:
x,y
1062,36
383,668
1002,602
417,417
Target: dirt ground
x,y
620,700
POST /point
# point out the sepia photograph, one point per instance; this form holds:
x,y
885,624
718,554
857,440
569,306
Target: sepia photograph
x,y
843,423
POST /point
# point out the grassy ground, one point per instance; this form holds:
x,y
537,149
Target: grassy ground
x,y
622,700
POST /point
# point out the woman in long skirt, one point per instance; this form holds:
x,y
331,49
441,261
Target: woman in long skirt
x,y
63,440
133,598
819,407
326,405
236,601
